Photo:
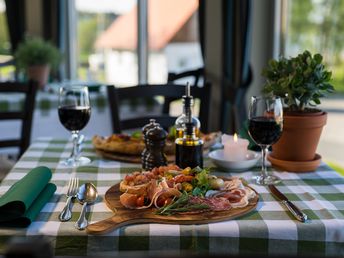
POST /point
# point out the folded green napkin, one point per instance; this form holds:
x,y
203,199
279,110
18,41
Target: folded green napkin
x,y
20,205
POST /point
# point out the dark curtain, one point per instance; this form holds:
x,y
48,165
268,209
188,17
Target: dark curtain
x,y
237,73
15,13
201,24
51,17
52,26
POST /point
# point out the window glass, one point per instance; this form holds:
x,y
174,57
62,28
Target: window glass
x,y
107,40
317,25
173,38
7,71
105,53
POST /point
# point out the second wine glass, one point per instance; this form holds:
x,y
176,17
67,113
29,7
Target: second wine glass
x,y
74,112
265,128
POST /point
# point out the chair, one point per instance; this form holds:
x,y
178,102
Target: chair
x,y
175,91
194,75
24,115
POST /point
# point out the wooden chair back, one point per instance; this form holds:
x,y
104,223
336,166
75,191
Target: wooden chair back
x,y
195,77
25,114
175,91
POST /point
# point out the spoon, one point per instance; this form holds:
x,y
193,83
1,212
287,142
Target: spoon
x,y
87,194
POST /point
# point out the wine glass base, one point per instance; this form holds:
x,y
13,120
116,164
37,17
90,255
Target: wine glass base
x,y
267,180
76,162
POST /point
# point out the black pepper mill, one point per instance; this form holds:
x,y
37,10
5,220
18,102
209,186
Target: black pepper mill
x,y
154,156
145,129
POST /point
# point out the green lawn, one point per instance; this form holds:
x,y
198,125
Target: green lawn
x,y
334,166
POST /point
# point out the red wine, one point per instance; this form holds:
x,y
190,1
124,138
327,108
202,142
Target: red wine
x,y
74,118
264,130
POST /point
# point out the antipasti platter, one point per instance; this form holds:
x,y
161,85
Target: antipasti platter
x,y
171,195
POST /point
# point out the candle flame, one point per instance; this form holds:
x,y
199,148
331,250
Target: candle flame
x,y
235,137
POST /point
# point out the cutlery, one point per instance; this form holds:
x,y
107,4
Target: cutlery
x,y
297,213
73,185
87,194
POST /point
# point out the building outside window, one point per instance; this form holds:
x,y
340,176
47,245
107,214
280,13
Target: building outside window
x,y
107,40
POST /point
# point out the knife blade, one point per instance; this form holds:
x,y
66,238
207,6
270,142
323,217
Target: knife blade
x,y
297,213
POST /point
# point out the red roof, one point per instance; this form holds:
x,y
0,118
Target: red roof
x,y
165,19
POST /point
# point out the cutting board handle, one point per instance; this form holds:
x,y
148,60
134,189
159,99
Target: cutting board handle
x,y
107,225
116,221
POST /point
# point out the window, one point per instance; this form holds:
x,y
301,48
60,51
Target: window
x,y
106,39
173,38
317,25
103,55
6,71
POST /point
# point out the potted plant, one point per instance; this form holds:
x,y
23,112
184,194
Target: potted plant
x,y
37,57
300,81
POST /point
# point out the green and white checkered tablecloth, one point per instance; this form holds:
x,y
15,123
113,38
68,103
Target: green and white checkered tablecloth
x,y
268,230
47,102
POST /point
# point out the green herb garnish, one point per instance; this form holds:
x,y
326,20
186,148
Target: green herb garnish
x,y
180,205
201,181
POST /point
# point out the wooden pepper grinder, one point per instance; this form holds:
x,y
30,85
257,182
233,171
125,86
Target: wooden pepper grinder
x,y
145,129
154,156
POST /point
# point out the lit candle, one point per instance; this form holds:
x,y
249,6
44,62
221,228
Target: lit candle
x,y
235,148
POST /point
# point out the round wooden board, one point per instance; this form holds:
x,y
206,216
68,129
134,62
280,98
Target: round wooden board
x,y
124,216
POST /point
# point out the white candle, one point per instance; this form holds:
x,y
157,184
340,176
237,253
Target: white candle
x,y
235,149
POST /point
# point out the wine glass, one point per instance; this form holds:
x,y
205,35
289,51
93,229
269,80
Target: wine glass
x,y
265,128
74,112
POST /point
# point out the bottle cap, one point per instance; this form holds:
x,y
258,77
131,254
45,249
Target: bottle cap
x,y
187,98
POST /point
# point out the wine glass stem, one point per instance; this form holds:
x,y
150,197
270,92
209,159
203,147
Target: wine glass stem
x,y
75,152
264,152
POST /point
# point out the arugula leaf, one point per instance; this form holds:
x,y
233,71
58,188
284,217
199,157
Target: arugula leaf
x,y
137,134
201,182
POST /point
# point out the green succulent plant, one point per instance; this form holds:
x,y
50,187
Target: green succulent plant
x,y
35,51
301,81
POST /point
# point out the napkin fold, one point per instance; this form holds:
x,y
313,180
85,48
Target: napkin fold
x,y
21,204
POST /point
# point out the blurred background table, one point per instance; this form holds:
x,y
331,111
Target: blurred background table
x,y
270,230
46,122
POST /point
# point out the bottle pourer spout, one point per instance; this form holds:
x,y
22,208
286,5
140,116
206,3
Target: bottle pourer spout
x,y
187,89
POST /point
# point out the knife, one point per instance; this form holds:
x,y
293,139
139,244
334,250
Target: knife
x,y
299,215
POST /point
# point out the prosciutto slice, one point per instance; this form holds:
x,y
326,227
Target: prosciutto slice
x,y
214,203
155,190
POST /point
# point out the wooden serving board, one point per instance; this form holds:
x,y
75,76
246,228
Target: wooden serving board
x,y
124,216
127,158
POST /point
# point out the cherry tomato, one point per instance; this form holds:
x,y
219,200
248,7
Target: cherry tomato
x,y
162,201
183,178
140,201
167,201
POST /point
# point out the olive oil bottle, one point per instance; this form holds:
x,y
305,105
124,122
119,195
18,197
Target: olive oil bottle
x,y
189,148
188,102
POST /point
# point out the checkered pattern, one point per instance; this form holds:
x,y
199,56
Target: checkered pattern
x,y
269,230
47,102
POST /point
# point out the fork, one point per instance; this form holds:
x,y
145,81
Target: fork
x,y
73,185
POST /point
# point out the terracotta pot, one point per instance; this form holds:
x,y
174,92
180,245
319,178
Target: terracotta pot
x,y
39,73
300,137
